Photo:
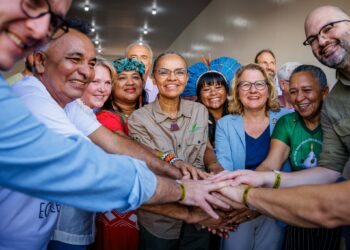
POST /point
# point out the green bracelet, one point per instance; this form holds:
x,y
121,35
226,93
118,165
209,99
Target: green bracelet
x,y
278,179
182,188
245,196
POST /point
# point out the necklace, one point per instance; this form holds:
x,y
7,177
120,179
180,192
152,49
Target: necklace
x,y
174,126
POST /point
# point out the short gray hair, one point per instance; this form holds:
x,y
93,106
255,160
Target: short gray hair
x,y
286,70
138,44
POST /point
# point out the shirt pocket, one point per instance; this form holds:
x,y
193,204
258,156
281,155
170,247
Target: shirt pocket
x,y
195,148
342,128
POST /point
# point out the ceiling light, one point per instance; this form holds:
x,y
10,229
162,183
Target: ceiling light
x,y
97,42
86,6
141,41
145,31
99,49
93,29
154,11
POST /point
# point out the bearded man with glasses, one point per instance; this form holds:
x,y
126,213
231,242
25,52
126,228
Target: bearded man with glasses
x,y
327,29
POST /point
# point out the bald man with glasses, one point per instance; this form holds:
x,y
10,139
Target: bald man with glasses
x,y
327,30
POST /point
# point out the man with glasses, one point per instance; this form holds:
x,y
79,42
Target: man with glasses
x,y
327,29
72,171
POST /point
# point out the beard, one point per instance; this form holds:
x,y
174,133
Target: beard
x,y
340,60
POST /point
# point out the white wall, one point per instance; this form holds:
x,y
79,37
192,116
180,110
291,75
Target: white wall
x,y
241,28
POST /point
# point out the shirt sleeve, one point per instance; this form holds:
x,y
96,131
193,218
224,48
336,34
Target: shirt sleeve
x,y
281,131
222,146
84,120
110,121
72,171
137,128
334,153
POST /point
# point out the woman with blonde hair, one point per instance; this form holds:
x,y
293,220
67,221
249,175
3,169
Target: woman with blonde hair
x,y
242,142
98,91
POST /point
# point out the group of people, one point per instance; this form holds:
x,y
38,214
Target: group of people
x,y
106,155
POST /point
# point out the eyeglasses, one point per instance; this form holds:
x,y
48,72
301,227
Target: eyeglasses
x,y
323,31
165,73
36,9
246,85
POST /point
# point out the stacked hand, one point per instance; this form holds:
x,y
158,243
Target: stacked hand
x,y
224,193
189,171
199,193
248,177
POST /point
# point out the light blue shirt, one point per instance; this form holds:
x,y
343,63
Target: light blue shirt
x,y
72,171
230,145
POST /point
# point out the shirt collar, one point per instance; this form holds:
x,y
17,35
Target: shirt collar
x,y
160,116
342,78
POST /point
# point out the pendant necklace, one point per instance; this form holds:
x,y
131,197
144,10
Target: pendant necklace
x,y
174,126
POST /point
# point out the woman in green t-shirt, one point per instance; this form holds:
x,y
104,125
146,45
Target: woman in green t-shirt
x,y
298,137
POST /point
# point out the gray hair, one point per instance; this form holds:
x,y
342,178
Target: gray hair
x,y
316,72
137,44
286,70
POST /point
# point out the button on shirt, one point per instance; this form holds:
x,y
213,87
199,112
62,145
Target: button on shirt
x,y
150,126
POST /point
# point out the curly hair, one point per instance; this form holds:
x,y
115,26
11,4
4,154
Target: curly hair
x,y
235,106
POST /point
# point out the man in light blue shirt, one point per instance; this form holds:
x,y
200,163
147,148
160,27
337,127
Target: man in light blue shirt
x,y
71,171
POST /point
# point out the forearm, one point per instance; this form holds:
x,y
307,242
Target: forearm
x,y
172,210
305,206
118,144
318,175
210,161
167,191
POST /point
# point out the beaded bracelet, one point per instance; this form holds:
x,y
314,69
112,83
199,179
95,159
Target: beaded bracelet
x,y
175,159
159,154
167,157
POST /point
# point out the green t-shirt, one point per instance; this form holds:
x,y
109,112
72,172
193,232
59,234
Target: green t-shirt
x,y
305,144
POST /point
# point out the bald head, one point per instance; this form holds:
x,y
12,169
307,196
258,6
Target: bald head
x,y
327,30
320,16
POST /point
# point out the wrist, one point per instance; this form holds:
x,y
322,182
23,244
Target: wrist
x,y
182,189
278,179
246,197
269,179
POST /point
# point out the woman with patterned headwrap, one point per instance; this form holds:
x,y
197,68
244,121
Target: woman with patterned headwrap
x,y
115,230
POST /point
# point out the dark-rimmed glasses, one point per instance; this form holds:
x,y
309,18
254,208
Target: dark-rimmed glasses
x,y
166,73
325,29
36,9
247,85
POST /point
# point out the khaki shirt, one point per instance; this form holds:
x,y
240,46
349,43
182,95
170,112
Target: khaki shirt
x,y
150,126
335,121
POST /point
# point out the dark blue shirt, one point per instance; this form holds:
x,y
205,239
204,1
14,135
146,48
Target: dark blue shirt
x,y
257,149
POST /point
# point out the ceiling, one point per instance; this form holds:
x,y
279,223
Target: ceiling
x,y
119,23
